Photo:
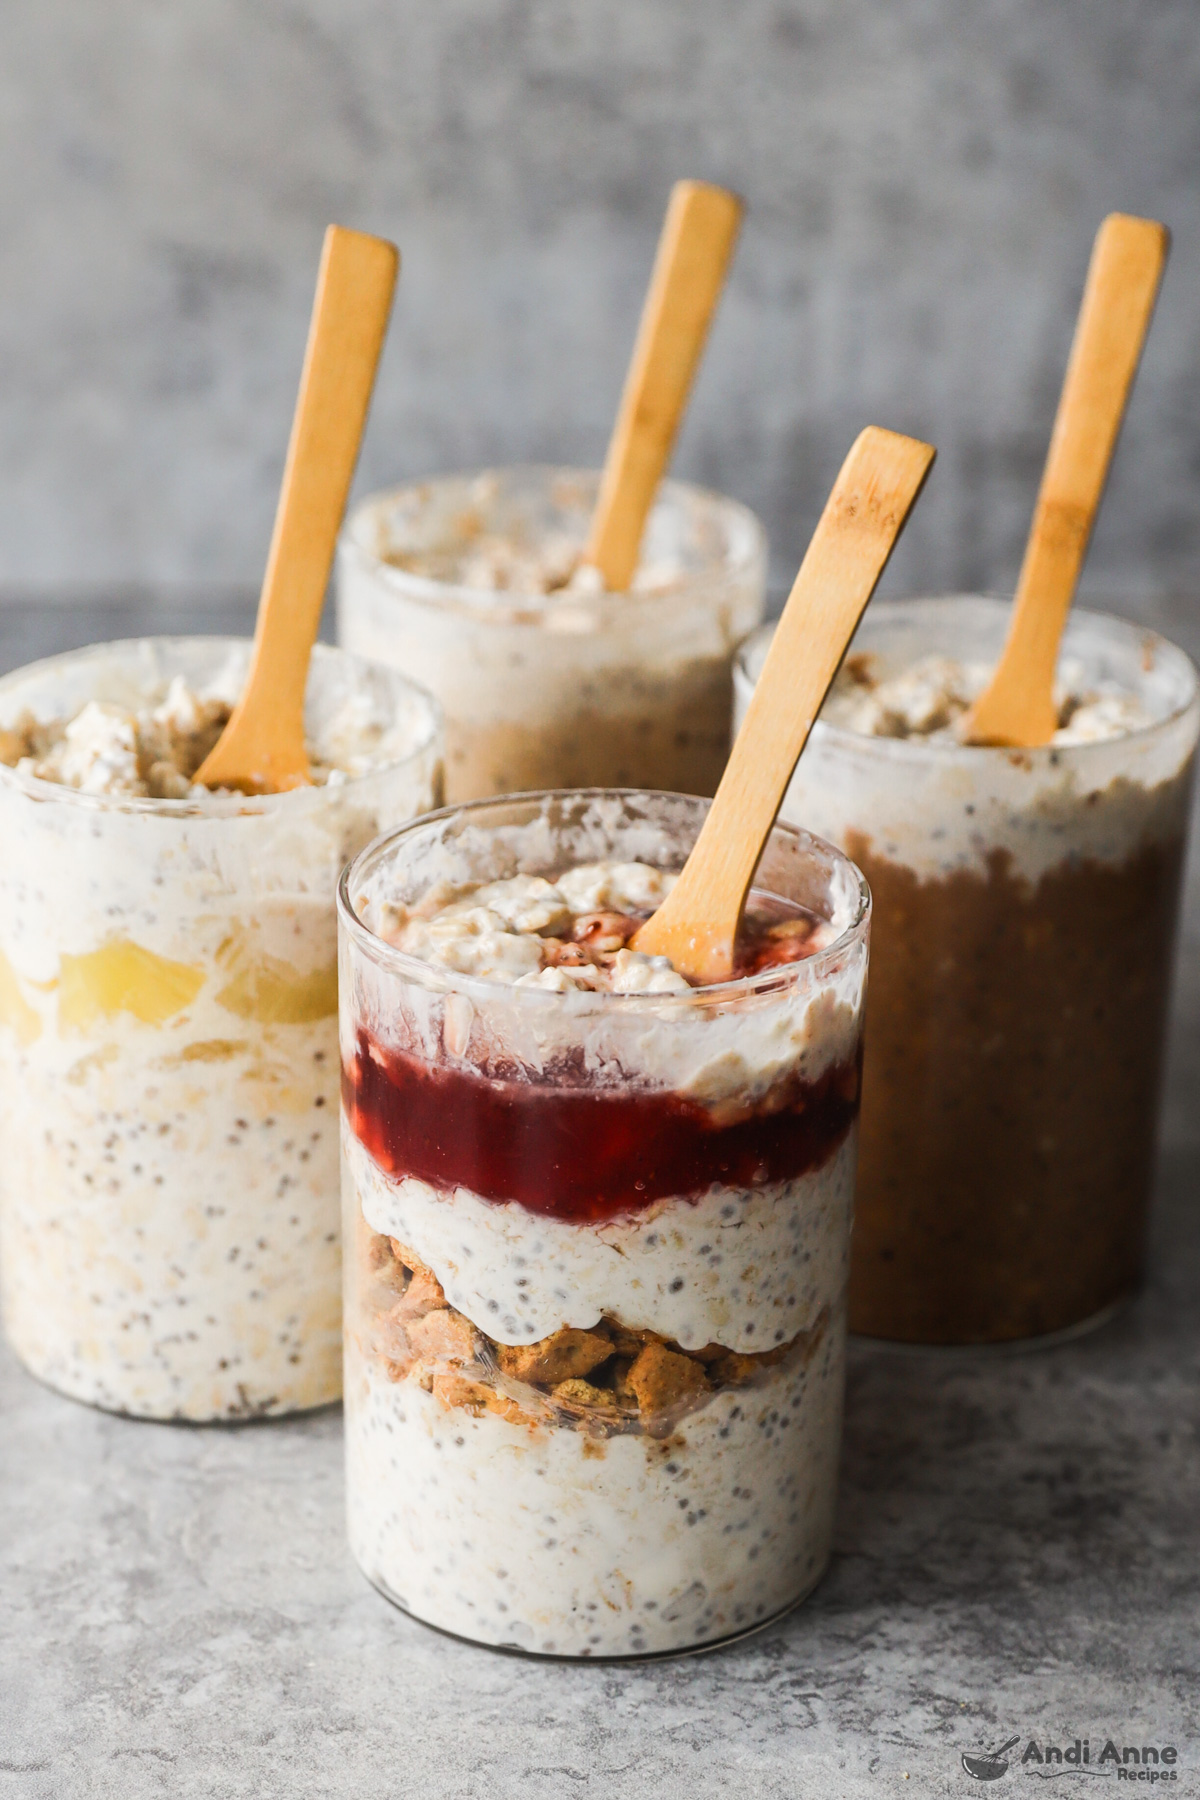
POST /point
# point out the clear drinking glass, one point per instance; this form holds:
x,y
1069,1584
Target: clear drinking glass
x,y
169,1234
570,688
655,1189
1025,908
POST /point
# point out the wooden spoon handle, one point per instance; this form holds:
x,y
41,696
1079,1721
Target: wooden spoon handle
x,y
878,485
1118,299
262,748
689,271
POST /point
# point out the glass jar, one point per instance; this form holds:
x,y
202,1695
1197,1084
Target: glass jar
x,y
568,688
169,1232
1025,914
652,1189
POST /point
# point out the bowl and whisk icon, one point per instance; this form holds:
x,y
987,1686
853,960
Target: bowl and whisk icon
x,y
992,1764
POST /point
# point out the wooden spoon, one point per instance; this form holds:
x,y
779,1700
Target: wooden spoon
x,y
262,749
689,271
697,924
1017,706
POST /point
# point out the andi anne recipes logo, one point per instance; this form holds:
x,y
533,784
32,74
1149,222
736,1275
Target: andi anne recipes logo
x,y
1146,1763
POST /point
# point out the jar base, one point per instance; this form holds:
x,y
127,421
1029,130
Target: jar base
x,y
1025,1346
639,1656
253,1415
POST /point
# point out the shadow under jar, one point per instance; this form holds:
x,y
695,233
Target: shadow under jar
x,y
169,1231
1025,911
470,585
595,1297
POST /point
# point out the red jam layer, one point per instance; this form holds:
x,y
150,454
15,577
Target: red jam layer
x,y
581,1154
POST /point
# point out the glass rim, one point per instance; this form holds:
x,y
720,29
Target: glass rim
x,y
772,980
514,606
917,749
211,805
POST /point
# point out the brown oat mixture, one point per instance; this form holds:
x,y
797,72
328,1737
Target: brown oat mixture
x,y
1010,1093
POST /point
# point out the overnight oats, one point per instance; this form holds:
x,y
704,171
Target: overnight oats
x,y
1025,906
597,1228
473,585
169,1232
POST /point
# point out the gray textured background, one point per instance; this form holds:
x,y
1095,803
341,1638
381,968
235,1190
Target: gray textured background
x,y
924,179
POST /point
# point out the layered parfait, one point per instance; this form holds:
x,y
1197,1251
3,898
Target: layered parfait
x,y
599,1224
1025,905
475,585
169,1237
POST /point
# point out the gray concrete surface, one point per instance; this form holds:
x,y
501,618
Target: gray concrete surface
x,y
1017,1551
924,181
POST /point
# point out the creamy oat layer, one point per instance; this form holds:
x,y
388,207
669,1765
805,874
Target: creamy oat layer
x,y
761,1261
654,1380
168,1042
930,698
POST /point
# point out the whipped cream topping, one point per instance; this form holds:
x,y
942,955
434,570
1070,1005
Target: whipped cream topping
x,y
569,934
495,564
151,748
533,553
930,698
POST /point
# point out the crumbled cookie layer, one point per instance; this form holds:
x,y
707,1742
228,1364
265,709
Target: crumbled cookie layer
x,y
606,1380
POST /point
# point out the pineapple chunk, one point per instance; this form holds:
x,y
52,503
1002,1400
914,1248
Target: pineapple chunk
x,y
123,977
15,1010
274,993
212,1050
